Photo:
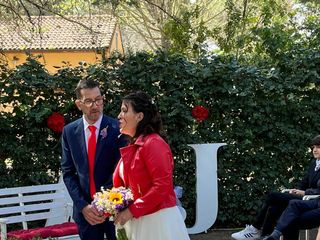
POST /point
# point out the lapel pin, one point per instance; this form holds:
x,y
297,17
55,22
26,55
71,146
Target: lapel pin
x,y
104,132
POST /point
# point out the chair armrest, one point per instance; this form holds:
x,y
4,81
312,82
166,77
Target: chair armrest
x,y
3,228
309,197
68,212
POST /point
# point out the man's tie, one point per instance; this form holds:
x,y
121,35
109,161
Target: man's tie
x,y
91,156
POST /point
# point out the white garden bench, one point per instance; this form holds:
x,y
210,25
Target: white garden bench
x,y
49,202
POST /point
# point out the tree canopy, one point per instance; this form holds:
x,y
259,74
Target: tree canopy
x,y
250,29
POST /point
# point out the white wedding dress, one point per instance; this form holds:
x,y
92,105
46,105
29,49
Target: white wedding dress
x,y
165,224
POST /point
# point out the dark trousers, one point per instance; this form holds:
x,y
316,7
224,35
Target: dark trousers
x,y
299,214
271,210
96,232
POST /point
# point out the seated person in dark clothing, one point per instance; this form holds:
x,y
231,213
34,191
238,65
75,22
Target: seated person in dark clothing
x,y
299,214
277,202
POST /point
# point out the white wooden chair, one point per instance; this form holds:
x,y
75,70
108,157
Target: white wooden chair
x,y
31,203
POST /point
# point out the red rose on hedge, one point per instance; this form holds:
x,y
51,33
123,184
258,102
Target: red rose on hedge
x,y
200,113
56,122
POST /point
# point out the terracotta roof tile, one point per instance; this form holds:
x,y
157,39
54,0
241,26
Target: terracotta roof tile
x,y
56,33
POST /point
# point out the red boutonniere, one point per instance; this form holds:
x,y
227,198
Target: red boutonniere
x,y
200,113
56,122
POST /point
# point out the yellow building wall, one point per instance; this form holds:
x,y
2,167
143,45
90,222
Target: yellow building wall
x,y
116,43
53,59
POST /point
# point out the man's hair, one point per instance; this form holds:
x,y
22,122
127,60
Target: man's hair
x,y
85,83
315,141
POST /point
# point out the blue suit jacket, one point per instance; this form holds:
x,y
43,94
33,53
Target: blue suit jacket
x,y
311,181
74,162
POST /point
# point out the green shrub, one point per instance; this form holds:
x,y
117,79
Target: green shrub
x,y
266,116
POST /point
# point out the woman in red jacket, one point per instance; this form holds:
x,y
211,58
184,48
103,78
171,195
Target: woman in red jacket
x,y
146,167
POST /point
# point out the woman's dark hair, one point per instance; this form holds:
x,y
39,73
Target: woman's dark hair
x,y
315,141
151,122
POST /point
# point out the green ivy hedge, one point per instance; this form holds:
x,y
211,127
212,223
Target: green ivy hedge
x,y
266,116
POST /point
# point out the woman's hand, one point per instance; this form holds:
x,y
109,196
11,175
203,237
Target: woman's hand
x,y
122,217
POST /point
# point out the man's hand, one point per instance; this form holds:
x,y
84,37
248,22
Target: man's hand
x,y
297,192
92,215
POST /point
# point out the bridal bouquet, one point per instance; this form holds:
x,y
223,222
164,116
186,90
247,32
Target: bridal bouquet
x,y
112,201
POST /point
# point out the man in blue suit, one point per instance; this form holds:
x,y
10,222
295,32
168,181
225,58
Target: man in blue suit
x,y
299,214
81,176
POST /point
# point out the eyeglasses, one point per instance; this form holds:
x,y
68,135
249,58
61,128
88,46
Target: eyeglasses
x,y
89,102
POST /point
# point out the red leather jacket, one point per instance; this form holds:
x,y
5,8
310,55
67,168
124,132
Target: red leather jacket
x,y
147,170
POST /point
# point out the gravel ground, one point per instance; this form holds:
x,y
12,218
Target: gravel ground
x,y
225,234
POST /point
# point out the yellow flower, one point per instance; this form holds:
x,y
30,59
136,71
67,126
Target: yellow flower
x,y
115,197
